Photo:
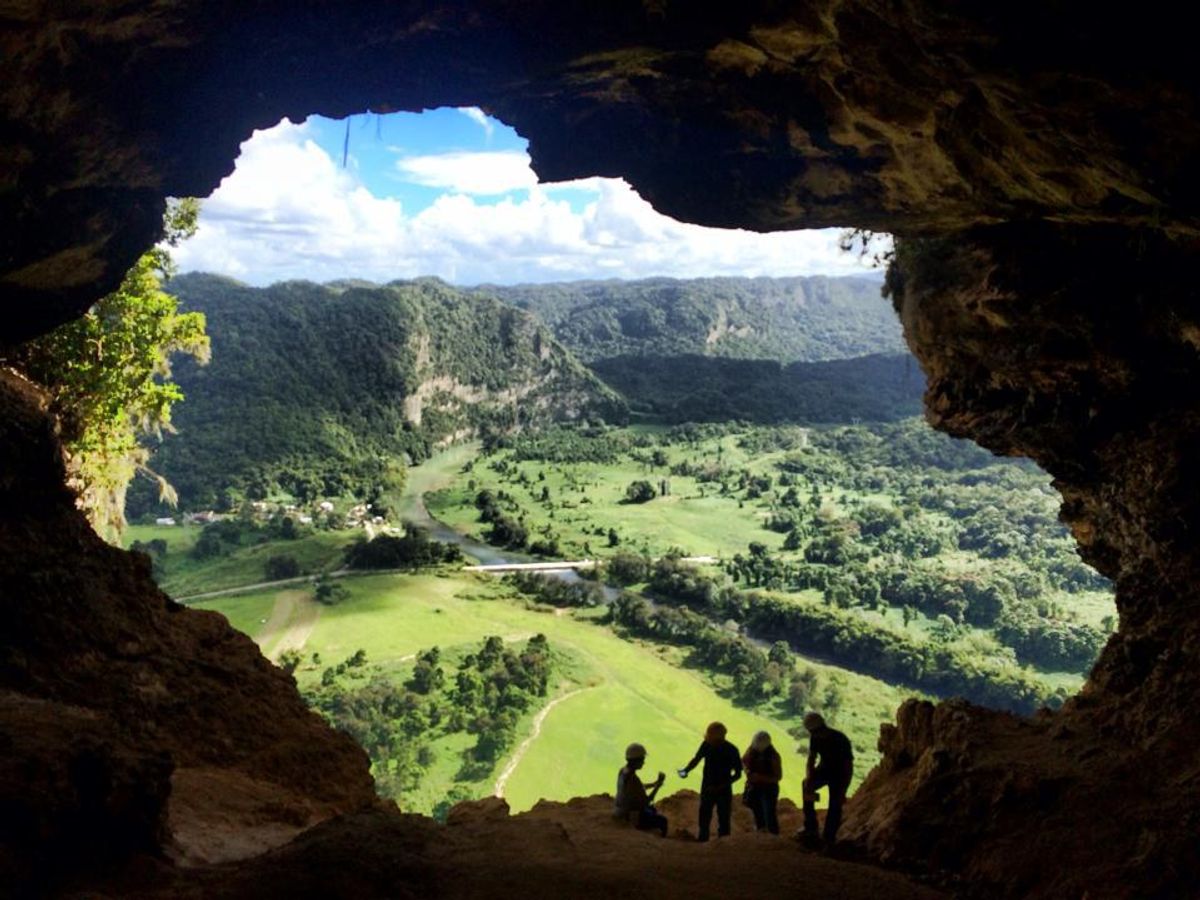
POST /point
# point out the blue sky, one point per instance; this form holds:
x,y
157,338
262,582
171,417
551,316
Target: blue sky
x,y
450,192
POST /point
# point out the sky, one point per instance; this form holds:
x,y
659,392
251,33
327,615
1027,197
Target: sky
x,y
450,192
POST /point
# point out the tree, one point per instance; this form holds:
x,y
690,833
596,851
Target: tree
x,y
427,675
640,492
108,374
282,566
289,660
330,592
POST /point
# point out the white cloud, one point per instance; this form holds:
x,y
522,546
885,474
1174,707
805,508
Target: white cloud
x,y
289,211
481,173
480,118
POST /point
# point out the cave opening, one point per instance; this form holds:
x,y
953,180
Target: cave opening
x,y
1037,173
944,550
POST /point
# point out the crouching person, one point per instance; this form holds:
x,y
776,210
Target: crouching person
x,y
633,802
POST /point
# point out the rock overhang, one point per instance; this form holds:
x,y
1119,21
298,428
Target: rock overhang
x,y
1036,164
766,116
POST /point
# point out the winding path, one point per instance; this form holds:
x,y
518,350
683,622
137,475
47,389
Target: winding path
x,y
292,620
502,781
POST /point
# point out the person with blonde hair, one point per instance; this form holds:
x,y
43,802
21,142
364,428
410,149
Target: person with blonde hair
x,y
764,771
722,767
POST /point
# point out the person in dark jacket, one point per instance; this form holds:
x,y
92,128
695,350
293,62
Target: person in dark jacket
x,y
764,770
830,764
722,767
633,802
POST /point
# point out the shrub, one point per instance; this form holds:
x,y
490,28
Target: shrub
x,y
640,492
282,566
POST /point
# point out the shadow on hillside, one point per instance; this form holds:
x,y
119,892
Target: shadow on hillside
x,y
692,388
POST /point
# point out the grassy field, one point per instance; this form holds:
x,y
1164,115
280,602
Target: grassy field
x,y
586,500
609,690
626,690
684,519
248,613
180,575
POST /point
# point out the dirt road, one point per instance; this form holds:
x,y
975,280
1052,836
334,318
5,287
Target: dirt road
x,y
292,620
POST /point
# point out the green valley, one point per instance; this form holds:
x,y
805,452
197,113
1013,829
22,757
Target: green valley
x,y
616,690
777,532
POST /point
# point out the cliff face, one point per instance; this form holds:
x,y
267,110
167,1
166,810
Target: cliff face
x,y
1038,165
1074,347
121,711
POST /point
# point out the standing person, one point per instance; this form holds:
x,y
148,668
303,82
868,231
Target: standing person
x,y
632,800
764,769
722,767
830,764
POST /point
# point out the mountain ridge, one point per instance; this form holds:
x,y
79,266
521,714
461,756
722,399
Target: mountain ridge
x,y
314,389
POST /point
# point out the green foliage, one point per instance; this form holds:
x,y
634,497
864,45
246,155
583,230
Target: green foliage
x,y
879,388
110,380
413,551
640,491
330,592
891,524
329,388
624,568
281,566
558,592
718,349
850,640
486,696
784,319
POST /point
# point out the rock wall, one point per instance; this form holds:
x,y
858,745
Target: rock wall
x,y
908,117
1075,347
120,709
1037,162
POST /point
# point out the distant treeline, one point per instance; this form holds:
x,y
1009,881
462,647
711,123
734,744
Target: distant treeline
x,y
844,639
328,390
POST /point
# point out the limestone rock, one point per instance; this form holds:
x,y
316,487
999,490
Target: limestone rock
x,y
134,692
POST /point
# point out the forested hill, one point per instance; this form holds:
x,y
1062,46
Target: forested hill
x,y
311,387
770,350
802,319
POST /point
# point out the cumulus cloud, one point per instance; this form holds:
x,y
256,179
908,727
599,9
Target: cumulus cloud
x,y
289,211
485,173
480,118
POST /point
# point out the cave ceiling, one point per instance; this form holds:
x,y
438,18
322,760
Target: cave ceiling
x,y
910,117
1037,162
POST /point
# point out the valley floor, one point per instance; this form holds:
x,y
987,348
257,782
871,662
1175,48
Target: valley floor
x,y
612,690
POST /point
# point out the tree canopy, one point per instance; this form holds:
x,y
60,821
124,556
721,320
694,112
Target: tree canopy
x,y
108,374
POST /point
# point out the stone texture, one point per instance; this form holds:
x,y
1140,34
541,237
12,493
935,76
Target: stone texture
x,y
1073,346
1038,162
911,117
556,851
114,699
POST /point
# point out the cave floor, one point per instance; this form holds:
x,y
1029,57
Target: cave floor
x,y
556,850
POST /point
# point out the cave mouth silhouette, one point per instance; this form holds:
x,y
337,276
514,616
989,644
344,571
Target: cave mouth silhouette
x,y
1037,175
355,138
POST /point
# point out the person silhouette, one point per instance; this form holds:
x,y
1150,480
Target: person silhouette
x,y
722,767
830,764
632,800
764,770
